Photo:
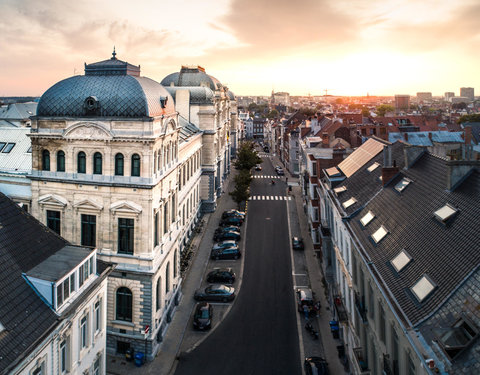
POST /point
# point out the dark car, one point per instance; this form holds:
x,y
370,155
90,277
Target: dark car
x,y
227,235
233,213
280,172
228,253
297,243
232,220
202,319
221,275
230,228
304,297
316,365
215,292
224,244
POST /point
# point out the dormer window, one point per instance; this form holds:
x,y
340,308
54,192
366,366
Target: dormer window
x,y
423,288
379,234
401,260
348,203
373,167
340,189
402,184
367,218
445,213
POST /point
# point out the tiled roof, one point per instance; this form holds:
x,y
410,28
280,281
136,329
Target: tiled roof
x,y
446,253
192,77
18,160
18,111
423,138
187,129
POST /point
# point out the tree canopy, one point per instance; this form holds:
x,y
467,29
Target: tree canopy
x,y
474,117
383,109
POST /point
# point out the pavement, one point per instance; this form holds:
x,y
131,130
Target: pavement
x,y
180,337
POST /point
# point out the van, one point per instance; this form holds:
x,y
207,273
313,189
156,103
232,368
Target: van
x,y
304,297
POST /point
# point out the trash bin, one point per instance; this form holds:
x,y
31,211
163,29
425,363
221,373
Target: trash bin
x,y
129,353
139,359
341,351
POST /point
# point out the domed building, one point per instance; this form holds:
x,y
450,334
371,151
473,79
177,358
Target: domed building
x,y
115,168
202,100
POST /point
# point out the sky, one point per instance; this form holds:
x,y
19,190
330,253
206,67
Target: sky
x,y
347,47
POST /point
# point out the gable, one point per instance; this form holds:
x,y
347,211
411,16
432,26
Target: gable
x,y
87,130
88,204
126,207
53,200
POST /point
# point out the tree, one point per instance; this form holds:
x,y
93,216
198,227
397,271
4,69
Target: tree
x,y
247,157
382,109
365,112
272,114
461,105
474,117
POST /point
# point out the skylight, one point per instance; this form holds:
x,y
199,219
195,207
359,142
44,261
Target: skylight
x,y
1,327
445,213
348,203
401,260
423,288
402,184
379,234
8,148
340,189
373,167
332,171
367,218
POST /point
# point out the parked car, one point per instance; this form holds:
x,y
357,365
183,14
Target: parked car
x,y
230,228
221,275
304,297
280,172
258,167
215,292
202,318
227,235
233,213
232,220
297,243
224,244
316,365
227,253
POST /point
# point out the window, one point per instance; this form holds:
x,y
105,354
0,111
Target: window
x,y
97,163
63,292
401,260
119,165
165,218
96,366
167,278
84,271
97,316
402,184
72,282
382,322
81,162
135,165
125,236
88,230
350,202
60,161
454,339
2,145
175,261
83,332
45,160
373,167
63,357
155,229
371,304
53,220
340,189
8,148
445,213
367,218
423,288
379,234
159,294
124,304
410,365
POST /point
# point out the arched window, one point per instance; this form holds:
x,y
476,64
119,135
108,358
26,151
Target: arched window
x,y
81,162
45,160
119,165
60,161
175,261
167,278
97,163
136,165
159,294
124,304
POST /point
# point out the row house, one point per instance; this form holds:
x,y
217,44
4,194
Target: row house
x,y
399,240
54,300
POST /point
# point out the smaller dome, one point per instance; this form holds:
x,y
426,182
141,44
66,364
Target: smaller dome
x,y
230,95
198,95
192,76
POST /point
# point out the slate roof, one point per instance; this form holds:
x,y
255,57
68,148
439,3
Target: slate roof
x,y
192,76
18,111
446,253
187,129
198,95
18,160
423,138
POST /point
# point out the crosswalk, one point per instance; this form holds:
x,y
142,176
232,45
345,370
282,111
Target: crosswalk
x,y
264,176
270,198
264,155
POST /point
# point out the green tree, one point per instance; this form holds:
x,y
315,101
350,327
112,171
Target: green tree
x,y
382,109
474,117
272,114
461,105
365,112
247,157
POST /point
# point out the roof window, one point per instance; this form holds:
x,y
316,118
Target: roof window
x,y
1,327
332,172
373,167
423,288
454,339
367,218
402,184
445,213
379,234
2,145
401,260
340,189
350,202
8,148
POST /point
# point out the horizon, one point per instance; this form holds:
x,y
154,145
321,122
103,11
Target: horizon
x,y
372,47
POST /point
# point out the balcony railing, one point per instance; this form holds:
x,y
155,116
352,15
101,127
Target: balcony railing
x,y
360,307
387,369
361,366
340,308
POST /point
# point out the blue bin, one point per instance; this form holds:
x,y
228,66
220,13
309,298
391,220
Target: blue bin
x,y
139,359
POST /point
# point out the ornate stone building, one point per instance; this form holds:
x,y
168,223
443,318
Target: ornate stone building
x,y
114,167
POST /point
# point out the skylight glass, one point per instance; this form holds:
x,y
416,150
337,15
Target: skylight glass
x,y
402,184
445,213
8,148
373,167
1,327
379,234
401,260
423,288
332,171
367,218
340,189
349,202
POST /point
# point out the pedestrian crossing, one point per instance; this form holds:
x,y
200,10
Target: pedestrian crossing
x,y
270,198
264,176
264,155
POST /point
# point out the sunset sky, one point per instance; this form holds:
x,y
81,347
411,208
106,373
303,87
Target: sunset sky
x,y
349,47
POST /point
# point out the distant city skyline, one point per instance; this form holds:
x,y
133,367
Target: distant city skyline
x,y
253,46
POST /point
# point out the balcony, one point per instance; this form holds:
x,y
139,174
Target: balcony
x,y
360,308
360,365
340,308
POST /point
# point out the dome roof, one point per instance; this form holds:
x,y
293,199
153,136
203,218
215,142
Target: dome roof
x,y
110,88
192,76
230,95
198,95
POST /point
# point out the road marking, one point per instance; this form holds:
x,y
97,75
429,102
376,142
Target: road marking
x,y
270,198
299,274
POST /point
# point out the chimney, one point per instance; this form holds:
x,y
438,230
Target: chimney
x,y
430,136
388,170
411,154
468,135
406,137
325,142
458,170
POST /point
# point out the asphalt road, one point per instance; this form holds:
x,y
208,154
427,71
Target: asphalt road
x,y
259,334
